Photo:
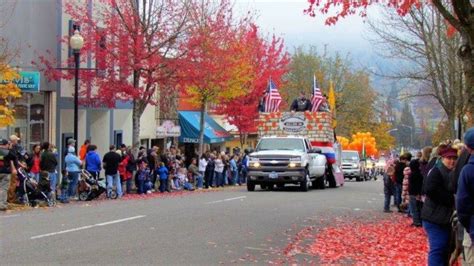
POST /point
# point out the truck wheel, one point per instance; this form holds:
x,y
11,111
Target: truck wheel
x,y
280,186
321,182
270,186
263,186
304,185
250,186
358,179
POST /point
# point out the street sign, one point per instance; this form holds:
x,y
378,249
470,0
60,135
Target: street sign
x,y
29,81
168,129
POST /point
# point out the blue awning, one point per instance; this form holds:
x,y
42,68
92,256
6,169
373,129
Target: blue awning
x,y
213,132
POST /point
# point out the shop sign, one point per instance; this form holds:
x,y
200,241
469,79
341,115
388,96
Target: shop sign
x,y
190,140
168,129
29,81
293,122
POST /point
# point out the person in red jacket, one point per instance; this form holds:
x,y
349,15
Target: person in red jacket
x,y
35,162
125,175
83,151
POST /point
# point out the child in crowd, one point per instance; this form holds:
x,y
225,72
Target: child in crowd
x,y
64,198
180,178
142,176
405,194
163,174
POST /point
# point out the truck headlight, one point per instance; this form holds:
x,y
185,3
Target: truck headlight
x,y
355,165
294,164
256,164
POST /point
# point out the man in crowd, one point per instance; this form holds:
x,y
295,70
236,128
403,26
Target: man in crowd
x,y
301,104
111,163
8,163
465,198
20,154
48,163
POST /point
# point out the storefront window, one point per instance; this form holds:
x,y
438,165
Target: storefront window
x,y
29,119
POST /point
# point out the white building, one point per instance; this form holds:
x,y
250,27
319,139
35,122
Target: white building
x,y
47,115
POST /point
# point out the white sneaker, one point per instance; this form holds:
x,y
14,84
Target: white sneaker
x,y
148,192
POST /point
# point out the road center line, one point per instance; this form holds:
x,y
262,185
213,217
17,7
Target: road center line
x,y
224,200
9,216
88,227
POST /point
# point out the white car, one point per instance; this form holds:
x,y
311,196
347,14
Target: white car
x,y
286,160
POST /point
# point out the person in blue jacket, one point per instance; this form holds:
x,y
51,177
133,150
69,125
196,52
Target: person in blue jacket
x,y
163,173
93,162
73,168
465,197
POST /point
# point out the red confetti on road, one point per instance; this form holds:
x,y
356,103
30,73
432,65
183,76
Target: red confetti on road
x,y
384,242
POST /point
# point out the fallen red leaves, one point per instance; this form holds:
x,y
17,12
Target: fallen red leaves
x,y
391,241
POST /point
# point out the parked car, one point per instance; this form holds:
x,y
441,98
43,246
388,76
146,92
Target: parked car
x,y
352,166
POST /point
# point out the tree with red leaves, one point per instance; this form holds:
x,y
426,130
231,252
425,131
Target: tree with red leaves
x,y
458,13
135,45
268,59
216,62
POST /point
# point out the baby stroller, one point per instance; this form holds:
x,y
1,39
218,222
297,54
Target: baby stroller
x,y
90,188
32,191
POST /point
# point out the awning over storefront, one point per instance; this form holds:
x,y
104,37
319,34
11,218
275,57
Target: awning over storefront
x,y
213,132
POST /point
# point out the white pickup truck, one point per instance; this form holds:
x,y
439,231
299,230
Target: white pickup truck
x,y
286,160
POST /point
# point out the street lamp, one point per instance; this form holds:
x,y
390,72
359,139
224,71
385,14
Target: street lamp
x,y
76,42
391,130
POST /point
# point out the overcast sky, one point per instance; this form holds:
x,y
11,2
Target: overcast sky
x,y
285,18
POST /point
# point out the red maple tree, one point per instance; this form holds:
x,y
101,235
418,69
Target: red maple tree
x,y
135,47
216,61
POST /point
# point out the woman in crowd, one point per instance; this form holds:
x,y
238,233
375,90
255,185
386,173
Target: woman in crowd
x,y
405,195
414,190
125,175
424,161
439,206
219,171
73,168
202,164
35,162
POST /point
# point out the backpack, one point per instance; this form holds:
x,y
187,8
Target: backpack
x,y
4,167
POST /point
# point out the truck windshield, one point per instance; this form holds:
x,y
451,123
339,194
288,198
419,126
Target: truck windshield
x,y
350,155
281,144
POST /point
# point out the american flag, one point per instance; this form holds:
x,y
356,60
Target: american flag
x,y
317,98
273,98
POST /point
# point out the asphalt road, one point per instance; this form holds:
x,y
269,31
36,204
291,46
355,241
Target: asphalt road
x,y
205,228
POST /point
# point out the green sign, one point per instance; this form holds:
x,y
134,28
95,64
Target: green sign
x,y
29,81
